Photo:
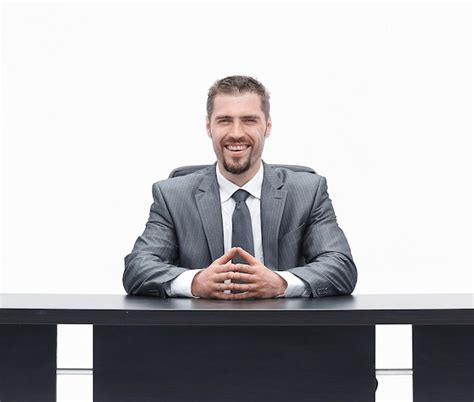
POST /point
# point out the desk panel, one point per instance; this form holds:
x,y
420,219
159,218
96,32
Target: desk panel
x,y
215,364
443,363
28,363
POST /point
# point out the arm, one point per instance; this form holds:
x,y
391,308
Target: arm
x,y
181,286
150,268
329,270
296,287
152,261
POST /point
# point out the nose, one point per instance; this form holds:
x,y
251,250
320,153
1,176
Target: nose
x,y
236,130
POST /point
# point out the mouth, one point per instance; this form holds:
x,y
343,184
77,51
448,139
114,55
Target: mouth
x,y
236,149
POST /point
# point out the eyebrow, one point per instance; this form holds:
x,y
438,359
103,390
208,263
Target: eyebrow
x,y
249,116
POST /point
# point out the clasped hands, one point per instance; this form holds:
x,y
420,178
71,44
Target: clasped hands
x,y
259,281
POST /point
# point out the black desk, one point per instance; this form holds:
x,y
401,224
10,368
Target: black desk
x,y
149,349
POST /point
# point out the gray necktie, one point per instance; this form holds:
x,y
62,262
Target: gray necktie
x,y
241,226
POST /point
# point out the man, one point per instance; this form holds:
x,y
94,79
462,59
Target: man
x,y
240,229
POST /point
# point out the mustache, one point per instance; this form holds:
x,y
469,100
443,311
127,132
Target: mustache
x,y
227,142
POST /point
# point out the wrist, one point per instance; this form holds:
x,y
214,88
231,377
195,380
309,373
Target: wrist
x,y
283,285
195,285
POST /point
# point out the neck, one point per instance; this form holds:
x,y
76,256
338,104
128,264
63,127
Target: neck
x,y
242,178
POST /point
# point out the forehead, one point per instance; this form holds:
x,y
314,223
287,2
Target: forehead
x,y
237,105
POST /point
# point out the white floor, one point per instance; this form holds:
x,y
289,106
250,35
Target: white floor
x,y
394,388
78,388
393,345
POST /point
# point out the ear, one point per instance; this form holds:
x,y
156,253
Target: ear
x,y
208,127
268,130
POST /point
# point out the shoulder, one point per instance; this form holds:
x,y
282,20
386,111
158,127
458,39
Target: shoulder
x,y
297,177
188,183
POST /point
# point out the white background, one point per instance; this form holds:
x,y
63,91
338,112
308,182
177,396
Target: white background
x,y
102,100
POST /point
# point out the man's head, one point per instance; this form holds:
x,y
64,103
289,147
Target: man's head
x,y
236,85
238,121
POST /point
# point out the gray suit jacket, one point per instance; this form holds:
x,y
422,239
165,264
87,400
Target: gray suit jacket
x,y
300,233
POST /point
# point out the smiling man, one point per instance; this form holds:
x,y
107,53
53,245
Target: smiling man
x,y
238,128
240,229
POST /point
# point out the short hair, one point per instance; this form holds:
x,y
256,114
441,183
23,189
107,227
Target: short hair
x,y
235,85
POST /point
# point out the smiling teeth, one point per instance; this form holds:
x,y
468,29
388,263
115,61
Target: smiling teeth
x,y
236,147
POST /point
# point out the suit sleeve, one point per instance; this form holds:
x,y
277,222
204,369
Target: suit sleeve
x,y
151,264
329,269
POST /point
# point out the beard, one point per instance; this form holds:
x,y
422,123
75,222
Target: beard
x,y
236,167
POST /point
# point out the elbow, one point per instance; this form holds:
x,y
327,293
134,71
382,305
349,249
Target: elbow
x,y
351,276
137,280
343,277
130,278
126,277
126,285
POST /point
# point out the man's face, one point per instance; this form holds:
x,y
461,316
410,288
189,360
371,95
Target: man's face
x,y
238,129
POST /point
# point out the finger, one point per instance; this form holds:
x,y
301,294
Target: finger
x,y
247,256
238,276
248,269
244,277
221,277
220,287
240,287
230,286
243,295
223,296
226,257
223,268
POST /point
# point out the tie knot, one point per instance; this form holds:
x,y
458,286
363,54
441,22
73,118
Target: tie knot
x,y
240,195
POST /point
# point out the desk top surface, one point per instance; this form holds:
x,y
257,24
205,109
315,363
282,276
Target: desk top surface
x,y
427,309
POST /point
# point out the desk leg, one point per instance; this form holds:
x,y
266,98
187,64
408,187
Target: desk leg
x,y
234,364
443,363
27,363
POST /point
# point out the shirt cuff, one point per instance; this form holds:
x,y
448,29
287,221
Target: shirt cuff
x,y
296,286
181,285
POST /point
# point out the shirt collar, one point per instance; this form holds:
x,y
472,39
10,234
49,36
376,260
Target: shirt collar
x,y
227,188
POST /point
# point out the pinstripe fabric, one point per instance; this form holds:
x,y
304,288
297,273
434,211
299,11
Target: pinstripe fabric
x,y
299,232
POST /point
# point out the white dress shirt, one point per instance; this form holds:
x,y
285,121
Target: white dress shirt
x,y
181,285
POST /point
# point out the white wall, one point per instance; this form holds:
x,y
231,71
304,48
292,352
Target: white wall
x,y
100,101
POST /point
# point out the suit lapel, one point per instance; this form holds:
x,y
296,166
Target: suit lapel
x,y
272,205
209,206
